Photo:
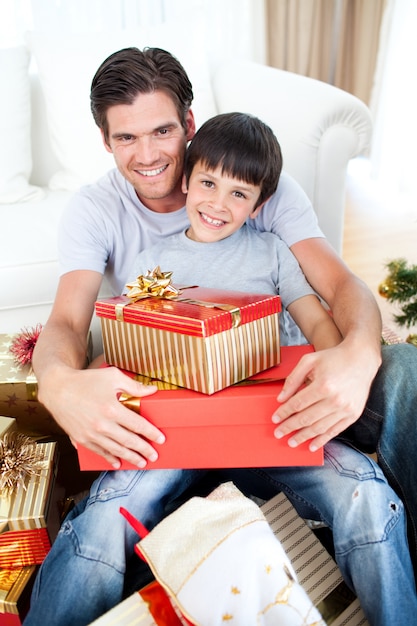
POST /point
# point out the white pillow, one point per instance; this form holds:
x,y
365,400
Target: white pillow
x,y
15,142
66,67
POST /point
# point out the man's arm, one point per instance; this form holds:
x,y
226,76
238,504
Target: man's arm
x,y
84,402
338,379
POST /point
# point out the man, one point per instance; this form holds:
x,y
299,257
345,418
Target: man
x,y
147,130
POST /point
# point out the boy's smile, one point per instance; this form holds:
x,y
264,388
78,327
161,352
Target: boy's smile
x,y
218,204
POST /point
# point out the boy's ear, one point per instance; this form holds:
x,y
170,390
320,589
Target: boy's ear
x,y
184,187
255,212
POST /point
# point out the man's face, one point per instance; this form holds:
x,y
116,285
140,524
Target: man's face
x,y
218,204
148,143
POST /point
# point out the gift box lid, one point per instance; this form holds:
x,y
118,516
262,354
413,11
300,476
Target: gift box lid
x,y
196,311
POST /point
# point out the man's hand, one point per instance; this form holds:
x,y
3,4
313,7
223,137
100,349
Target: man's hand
x,y
324,394
85,404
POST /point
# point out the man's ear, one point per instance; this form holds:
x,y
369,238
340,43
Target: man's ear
x,y
190,121
255,212
105,142
184,187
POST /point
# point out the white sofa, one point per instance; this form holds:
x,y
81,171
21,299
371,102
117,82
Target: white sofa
x,y
320,129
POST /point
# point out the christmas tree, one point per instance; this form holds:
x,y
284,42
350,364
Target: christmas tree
x,y
400,286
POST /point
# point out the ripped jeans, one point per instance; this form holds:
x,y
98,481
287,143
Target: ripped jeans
x,y
83,575
388,426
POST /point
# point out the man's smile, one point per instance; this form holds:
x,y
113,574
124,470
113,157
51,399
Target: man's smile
x,y
154,172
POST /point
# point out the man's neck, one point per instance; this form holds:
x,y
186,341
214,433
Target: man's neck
x,y
174,202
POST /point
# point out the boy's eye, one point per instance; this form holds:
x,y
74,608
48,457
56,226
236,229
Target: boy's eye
x,y
207,183
239,194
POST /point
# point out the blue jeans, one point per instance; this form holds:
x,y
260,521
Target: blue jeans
x,y
83,575
388,427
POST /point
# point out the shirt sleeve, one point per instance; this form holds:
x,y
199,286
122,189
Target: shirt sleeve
x,y
292,284
288,213
82,241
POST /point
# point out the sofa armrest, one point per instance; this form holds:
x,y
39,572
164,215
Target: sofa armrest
x,y
320,128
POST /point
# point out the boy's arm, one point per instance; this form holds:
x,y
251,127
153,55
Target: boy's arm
x,y
340,377
84,402
315,322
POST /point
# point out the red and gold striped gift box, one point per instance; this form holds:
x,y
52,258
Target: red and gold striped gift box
x,y
192,341
24,539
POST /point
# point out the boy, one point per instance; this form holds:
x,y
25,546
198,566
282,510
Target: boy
x,y
232,166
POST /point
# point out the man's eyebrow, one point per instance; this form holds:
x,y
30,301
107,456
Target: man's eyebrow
x,y
169,125
121,134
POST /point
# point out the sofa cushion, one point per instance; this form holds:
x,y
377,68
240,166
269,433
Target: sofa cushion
x,y
28,260
66,76
15,144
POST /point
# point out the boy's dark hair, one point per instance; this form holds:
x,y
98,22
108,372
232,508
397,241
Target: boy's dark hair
x,y
243,146
129,72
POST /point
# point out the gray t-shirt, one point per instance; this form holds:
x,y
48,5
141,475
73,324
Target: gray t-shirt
x,y
249,261
105,225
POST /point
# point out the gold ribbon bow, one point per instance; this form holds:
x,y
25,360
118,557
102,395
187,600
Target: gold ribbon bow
x,y
152,284
157,284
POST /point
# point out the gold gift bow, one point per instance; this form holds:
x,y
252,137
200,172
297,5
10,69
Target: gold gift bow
x,y
157,284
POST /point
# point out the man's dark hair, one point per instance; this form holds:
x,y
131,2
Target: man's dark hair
x,y
129,72
243,146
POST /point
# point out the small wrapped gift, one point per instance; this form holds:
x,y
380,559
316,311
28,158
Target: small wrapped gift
x,y
27,480
200,339
18,394
15,590
231,428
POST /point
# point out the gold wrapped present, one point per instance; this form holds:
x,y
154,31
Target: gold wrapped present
x,y
18,394
15,589
25,511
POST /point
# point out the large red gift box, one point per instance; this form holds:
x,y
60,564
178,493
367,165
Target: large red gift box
x,y
204,339
231,428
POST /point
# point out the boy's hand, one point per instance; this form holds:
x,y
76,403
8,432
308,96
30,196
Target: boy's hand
x,y
324,394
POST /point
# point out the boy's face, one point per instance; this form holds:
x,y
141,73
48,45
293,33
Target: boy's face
x,y
148,143
217,204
